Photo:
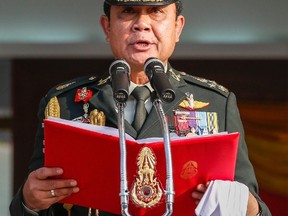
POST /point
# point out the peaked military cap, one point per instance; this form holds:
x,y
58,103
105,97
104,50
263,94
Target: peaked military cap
x,y
139,2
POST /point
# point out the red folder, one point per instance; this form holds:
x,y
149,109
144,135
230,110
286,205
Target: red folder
x,y
92,157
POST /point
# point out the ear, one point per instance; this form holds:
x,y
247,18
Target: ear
x,y
180,22
105,23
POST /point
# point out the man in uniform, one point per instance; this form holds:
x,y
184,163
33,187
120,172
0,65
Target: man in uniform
x,y
136,30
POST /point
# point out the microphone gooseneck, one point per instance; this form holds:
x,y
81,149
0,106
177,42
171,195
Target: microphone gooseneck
x,y
120,77
155,71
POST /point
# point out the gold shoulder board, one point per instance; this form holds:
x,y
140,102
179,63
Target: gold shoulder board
x,y
53,108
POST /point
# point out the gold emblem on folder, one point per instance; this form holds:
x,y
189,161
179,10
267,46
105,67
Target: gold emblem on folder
x,y
189,170
146,189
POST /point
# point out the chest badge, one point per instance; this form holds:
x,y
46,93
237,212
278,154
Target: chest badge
x,y
193,123
83,95
190,104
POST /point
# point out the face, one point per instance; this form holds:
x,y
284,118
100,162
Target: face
x,y
136,33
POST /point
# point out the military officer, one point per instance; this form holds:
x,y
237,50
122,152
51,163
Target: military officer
x,y
135,30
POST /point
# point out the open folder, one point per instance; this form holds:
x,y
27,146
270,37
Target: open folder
x,y
91,155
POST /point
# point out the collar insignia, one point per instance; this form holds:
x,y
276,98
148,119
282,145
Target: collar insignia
x,y
103,81
61,87
174,75
92,78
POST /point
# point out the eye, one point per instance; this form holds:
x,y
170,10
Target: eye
x,y
128,10
157,10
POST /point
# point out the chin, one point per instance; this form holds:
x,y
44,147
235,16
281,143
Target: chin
x,y
142,58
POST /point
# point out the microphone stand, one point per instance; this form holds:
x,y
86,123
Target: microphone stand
x,y
169,192
124,193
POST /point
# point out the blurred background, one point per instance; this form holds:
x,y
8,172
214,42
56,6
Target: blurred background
x,y
242,45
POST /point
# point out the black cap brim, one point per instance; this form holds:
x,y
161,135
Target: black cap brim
x,y
139,2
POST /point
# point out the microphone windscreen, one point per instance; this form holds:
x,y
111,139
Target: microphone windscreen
x,y
155,71
120,77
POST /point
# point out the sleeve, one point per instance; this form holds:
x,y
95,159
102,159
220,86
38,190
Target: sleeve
x,y
16,207
37,159
244,170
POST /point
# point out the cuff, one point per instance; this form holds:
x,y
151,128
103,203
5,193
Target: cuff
x,y
31,211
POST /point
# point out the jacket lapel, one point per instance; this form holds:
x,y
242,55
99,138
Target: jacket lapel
x,y
103,100
152,122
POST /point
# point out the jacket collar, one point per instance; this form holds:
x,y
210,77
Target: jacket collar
x,y
103,100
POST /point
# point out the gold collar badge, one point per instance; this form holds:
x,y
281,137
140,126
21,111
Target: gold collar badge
x,y
61,87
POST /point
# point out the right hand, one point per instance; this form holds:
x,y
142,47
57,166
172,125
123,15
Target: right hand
x,y
37,189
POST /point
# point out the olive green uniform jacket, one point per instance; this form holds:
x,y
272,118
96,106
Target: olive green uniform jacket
x,y
220,101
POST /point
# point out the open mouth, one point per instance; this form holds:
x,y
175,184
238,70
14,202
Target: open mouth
x,y
142,43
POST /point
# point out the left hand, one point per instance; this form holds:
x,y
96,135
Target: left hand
x,y
199,192
252,208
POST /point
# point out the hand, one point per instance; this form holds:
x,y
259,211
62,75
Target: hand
x,y
252,207
39,187
199,192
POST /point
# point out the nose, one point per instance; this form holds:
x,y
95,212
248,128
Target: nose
x,y
142,23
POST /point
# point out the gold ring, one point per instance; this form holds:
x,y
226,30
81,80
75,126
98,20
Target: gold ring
x,y
53,193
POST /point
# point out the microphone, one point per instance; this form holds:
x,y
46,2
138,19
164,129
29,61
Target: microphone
x,y
155,71
120,77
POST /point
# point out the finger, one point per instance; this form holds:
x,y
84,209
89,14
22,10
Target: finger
x,y
50,184
61,193
45,172
201,188
197,195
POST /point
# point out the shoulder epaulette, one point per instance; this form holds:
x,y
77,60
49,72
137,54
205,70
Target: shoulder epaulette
x,y
71,84
205,83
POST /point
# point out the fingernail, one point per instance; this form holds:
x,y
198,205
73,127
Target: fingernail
x,y
75,190
73,183
59,171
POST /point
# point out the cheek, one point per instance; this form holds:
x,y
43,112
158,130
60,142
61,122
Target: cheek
x,y
166,32
118,33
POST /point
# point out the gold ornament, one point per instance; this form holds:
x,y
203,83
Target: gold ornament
x,y
146,190
97,117
53,108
